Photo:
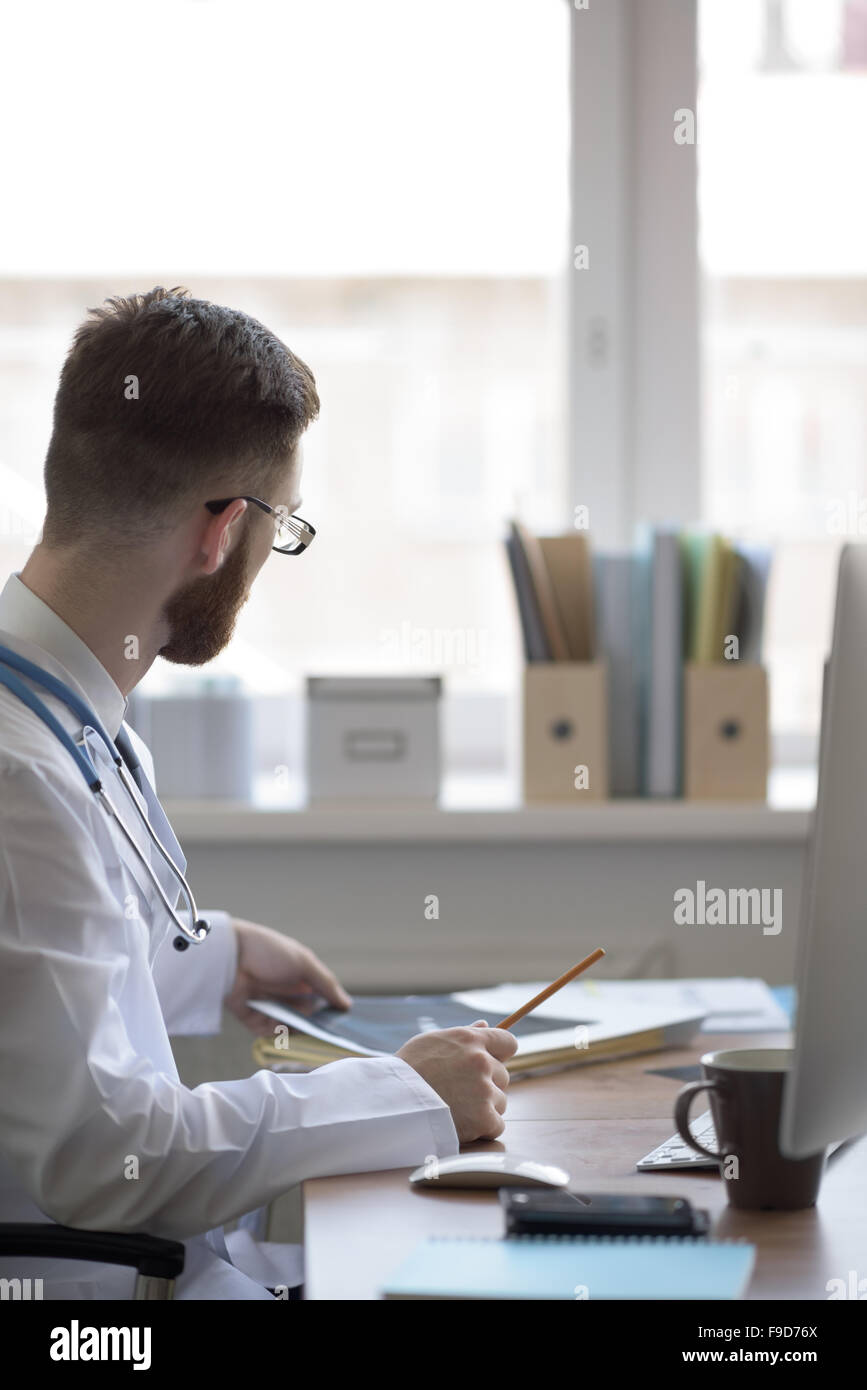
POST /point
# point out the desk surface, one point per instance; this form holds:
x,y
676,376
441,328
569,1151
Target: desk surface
x,y
596,1121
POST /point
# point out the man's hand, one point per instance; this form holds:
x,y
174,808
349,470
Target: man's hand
x,y
273,966
465,1067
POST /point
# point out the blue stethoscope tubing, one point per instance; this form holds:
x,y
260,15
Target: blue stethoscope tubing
x,y
10,663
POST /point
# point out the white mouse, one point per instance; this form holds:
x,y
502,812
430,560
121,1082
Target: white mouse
x,y
487,1170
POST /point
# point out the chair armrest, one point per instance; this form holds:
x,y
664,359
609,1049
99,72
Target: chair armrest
x,y
152,1256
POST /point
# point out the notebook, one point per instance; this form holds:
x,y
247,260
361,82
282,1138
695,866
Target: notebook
x,y
535,642
730,588
710,600
573,1268
755,570
591,1025
527,546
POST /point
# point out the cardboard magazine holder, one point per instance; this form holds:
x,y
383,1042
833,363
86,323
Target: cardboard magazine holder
x,y
565,732
725,732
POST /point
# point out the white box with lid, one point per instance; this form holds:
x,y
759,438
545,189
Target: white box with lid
x,y
373,738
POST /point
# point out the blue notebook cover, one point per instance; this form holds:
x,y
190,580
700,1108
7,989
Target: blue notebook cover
x,y
574,1268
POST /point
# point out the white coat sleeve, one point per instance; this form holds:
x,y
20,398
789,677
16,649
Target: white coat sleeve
x,y
192,984
93,1119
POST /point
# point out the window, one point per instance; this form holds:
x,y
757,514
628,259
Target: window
x,y
783,245
386,187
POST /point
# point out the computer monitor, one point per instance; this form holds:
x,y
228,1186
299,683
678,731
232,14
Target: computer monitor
x,y
826,1092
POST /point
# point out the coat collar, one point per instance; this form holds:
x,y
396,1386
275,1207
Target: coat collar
x,y
38,633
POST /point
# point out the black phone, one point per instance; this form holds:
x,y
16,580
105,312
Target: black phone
x,y
556,1212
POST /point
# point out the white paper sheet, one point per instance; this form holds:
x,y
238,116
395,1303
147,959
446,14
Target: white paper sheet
x,y
731,1005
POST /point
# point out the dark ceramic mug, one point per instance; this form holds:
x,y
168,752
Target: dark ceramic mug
x,y
745,1087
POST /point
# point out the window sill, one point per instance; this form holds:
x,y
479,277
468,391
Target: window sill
x,y
486,810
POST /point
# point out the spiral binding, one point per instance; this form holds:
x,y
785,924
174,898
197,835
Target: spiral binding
x,y
562,1238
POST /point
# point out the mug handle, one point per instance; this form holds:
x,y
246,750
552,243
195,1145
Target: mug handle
x,y
681,1115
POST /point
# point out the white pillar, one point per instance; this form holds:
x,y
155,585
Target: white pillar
x,y
634,373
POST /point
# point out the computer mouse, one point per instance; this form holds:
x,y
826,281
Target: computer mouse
x,y
487,1170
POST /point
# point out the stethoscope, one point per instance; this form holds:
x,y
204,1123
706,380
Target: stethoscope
x,y
123,756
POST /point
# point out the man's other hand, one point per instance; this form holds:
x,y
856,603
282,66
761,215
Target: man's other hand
x,y
274,966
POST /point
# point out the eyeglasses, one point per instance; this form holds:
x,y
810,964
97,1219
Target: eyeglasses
x,y
293,532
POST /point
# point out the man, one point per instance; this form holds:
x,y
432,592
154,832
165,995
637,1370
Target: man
x,y
166,404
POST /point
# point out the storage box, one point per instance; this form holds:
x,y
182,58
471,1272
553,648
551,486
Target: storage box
x,y
725,727
202,742
565,731
373,738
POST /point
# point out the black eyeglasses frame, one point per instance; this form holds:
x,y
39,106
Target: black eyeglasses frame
x,y
307,532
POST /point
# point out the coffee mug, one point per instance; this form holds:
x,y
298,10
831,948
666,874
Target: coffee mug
x,y
745,1086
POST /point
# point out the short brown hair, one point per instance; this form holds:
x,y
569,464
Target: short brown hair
x,y
161,396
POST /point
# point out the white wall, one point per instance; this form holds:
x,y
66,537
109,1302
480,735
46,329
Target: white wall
x,y
507,910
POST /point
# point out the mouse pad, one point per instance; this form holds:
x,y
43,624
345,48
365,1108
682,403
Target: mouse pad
x,y
677,1073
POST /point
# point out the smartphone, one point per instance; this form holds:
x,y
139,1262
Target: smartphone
x,y
542,1212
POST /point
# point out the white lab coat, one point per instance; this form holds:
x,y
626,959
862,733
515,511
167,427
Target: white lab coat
x,y
96,1129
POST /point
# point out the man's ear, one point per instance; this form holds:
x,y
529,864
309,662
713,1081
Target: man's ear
x,y
220,535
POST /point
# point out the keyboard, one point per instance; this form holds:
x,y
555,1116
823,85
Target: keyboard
x,y
675,1153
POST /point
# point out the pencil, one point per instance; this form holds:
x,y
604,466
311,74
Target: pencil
x,y
552,989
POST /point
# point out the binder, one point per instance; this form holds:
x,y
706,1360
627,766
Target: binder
x,y
527,546
567,560
618,621
532,630
664,655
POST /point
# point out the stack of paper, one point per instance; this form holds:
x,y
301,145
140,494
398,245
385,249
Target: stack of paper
x,y
728,1005
583,1022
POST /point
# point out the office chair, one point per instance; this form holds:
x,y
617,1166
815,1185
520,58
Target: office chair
x,y
157,1262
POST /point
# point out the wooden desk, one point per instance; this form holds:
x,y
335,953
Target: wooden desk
x,y
596,1121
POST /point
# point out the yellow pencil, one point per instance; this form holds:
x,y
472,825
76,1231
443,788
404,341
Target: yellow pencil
x,y
552,989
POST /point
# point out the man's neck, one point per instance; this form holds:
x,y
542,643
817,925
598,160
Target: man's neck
x,y
118,616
